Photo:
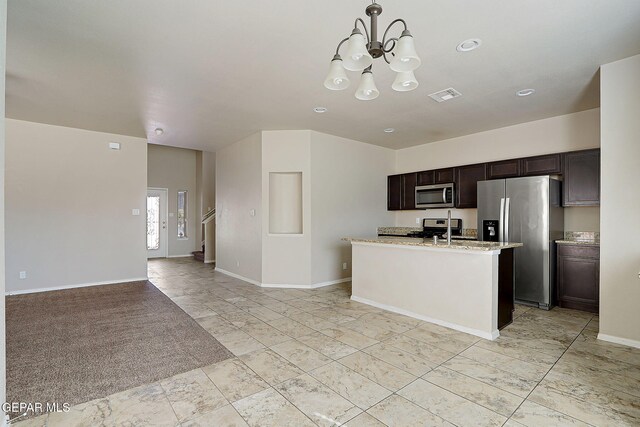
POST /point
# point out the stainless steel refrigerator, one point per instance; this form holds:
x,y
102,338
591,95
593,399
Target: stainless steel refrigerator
x,y
526,210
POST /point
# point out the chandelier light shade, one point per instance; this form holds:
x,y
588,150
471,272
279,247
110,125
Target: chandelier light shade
x,y
367,89
406,58
361,50
337,78
357,57
404,82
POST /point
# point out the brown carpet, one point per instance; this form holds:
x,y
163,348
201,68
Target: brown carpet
x,y
80,344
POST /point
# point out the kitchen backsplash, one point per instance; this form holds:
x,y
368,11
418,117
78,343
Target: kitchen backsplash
x,y
582,235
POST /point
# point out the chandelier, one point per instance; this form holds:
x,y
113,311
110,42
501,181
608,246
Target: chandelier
x,y
399,52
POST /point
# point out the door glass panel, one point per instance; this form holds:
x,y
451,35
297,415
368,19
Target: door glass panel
x,y
153,222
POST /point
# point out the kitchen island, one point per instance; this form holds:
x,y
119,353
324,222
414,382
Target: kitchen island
x,y
465,285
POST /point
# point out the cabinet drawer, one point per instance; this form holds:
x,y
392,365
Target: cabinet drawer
x,y
579,251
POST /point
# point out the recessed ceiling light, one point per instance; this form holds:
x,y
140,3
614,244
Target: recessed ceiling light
x,y
469,45
159,131
389,130
525,92
320,110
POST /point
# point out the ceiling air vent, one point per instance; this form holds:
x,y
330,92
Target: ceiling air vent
x,y
445,95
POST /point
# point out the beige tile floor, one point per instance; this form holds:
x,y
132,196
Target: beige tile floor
x,y
314,357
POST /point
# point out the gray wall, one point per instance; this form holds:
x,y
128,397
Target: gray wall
x,y
3,44
69,201
620,234
175,169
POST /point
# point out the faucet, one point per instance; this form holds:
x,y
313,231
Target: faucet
x,y
449,227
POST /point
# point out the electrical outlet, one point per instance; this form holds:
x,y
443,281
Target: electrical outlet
x,y
237,263
418,220
23,275
344,265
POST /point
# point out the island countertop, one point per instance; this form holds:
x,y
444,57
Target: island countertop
x,y
442,243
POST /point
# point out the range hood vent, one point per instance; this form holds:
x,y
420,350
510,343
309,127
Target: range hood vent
x,y
445,95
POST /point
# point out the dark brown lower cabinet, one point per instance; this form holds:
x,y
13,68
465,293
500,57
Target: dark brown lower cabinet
x,y
505,288
579,277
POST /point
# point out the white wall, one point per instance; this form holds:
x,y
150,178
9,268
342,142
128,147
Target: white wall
x,y
238,192
570,132
348,198
343,194
3,44
205,190
69,201
175,169
286,259
208,181
620,238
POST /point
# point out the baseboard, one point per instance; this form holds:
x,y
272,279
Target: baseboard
x,y
81,285
180,256
486,335
330,282
618,340
237,276
210,262
282,285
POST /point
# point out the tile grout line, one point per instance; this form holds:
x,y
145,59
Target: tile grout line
x,y
545,375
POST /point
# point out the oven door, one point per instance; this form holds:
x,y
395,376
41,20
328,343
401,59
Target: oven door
x,y
435,196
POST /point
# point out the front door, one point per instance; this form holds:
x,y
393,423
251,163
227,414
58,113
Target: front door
x,y
157,222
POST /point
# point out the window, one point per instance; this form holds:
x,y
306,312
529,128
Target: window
x,y
182,214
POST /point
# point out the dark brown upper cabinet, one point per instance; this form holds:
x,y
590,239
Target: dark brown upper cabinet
x,y
582,178
426,178
503,169
541,165
444,176
467,178
409,191
394,192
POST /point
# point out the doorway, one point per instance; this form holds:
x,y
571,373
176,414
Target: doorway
x,y
157,213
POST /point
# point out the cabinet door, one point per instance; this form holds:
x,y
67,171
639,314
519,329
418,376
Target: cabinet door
x,y
503,169
467,178
582,178
426,178
541,165
409,191
394,192
579,277
444,176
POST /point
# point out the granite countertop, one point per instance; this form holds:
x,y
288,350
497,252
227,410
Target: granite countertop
x,y
593,242
442,243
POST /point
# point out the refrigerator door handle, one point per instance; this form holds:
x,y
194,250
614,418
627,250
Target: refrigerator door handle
x,y
501,221
507,214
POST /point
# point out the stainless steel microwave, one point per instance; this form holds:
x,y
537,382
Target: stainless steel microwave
x,y
435,196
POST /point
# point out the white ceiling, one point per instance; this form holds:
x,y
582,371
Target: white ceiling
x,y
211,72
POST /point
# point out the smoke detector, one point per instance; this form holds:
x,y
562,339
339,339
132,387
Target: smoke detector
x,y
445,95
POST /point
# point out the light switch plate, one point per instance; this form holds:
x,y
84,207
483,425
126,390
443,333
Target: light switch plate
x,y
135,212
114,145
23,275
171,214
